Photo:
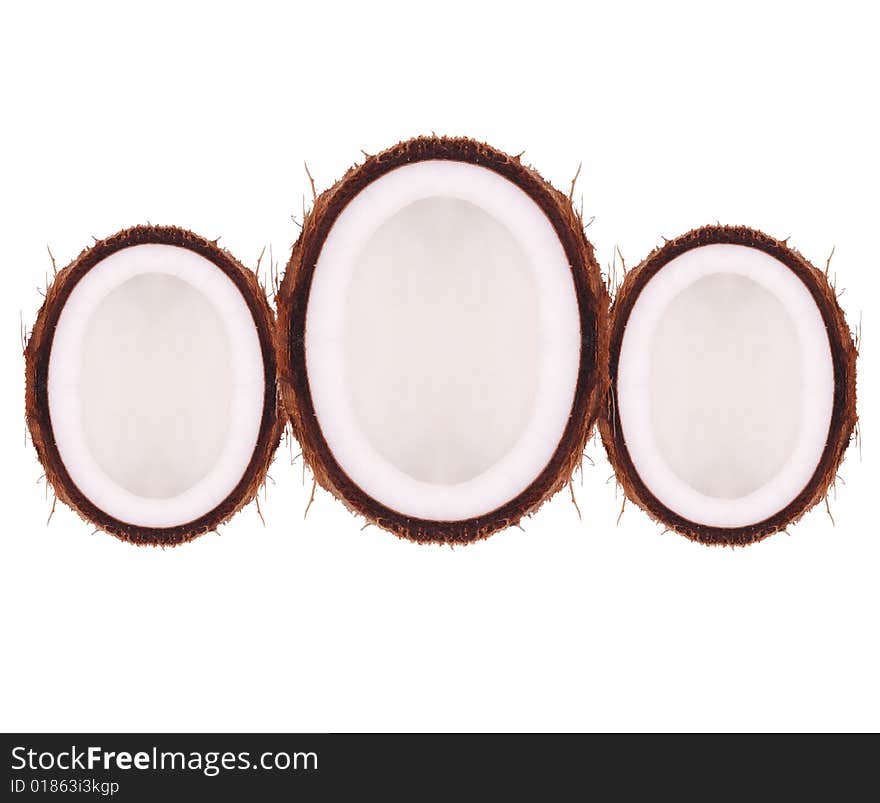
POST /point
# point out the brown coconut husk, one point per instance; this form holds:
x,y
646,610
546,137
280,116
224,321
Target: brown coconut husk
x,y
843,416
293,300
39,422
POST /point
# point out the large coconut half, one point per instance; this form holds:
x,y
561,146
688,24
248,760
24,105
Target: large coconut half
x,y
151,392
441,339
732,395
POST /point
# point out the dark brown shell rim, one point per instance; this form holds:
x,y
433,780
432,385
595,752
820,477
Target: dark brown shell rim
x,y
843,416
592,303
36,393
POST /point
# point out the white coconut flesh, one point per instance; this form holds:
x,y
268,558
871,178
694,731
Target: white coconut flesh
x,y
725,385
442,340
156,385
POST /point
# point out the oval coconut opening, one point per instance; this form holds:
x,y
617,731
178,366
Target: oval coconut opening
x,y
151,393
733,385
441,312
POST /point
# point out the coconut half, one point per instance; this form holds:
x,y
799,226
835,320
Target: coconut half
x,y
441,340
151,385
732,395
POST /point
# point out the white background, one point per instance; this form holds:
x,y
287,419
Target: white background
x,y
200,115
